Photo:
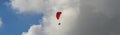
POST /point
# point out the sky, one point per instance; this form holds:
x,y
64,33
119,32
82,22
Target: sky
x,y
12,23
79,17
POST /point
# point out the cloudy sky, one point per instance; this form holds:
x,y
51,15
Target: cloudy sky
x,y
79,17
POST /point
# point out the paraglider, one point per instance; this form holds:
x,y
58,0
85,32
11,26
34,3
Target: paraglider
x,y
58,14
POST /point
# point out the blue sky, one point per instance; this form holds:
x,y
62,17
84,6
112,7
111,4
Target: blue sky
x,y
15,24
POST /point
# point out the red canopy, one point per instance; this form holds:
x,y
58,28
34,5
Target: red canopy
x,y
58,15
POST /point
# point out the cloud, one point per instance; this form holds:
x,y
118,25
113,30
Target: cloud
x,y
69,8
33,6
98,17
34,30
1,22
79,17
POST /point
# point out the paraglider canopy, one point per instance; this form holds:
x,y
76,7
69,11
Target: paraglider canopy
x,y
58,15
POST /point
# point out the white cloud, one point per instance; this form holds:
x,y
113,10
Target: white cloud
x,y
97,17
34,30
29,5
70,12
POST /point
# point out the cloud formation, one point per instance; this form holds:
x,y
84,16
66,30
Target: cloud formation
x,y
69,8
34,30
33,6
99,17
79,17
